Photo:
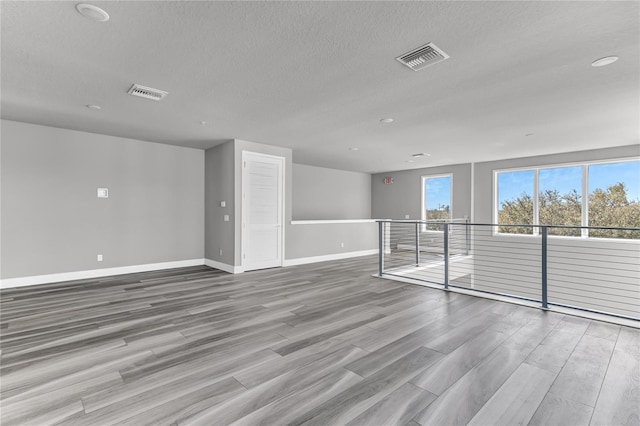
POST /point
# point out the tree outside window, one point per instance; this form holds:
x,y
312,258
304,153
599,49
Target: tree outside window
x,y
560,199
436,200
515,201
613,199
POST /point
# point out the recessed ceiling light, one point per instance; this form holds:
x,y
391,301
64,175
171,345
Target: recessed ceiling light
x,y
353,148
92,12
386,120
202,123
421,154
604,61
96,107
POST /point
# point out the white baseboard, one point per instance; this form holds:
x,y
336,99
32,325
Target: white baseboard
x,y
328,257
223,266
96,273
105,272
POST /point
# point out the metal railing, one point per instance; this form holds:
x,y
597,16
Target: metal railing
x,y
548,266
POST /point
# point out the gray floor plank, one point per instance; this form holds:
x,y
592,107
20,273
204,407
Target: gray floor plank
x,y
581,378
322,343
517,399
287,409
629,341
162,396
396,409
437,378
282,386
260,373
457,336
354,401
557,411
213,369
554,351
619,398
460,402
312,338
603,330
395,350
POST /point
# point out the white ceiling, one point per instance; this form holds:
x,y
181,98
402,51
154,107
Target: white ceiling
x,y
318,76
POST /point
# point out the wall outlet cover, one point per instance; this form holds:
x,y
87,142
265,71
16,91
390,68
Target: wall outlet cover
x,y
103,192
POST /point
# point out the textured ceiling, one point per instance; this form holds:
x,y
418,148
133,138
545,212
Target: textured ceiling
x,y
318,76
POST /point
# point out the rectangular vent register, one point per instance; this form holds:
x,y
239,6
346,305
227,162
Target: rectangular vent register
x,y
422,57
147,92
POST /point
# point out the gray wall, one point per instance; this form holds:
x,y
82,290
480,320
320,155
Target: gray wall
x,y
320,193
324,239
220,186
580,271
403,197
224,182
52,221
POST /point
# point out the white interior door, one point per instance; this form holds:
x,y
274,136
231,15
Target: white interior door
x,y
262,211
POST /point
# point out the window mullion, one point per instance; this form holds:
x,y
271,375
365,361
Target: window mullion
x,y
536,206
585,200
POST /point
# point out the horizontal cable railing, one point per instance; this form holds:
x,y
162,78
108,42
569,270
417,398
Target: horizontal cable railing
x,y
540,263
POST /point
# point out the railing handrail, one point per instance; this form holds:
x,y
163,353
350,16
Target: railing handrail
x,y
452,251
449,221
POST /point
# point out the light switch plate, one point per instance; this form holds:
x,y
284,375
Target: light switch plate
x,y
103,192
226,218
223,204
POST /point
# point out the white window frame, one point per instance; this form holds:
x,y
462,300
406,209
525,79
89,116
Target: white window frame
x,y
536,171
423,214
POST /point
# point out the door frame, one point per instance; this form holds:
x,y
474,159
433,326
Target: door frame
x,y
243,234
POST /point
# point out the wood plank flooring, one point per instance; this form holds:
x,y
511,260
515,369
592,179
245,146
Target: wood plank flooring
x,y
321,344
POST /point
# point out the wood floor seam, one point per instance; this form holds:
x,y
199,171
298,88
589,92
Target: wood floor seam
x,y
602,384
319,344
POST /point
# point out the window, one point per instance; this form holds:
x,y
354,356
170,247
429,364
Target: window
x,y
560,199
599,194
614,198
515,201
436,201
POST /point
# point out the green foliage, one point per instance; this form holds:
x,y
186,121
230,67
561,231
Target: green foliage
x,y
556,209
516,212
441,213
610,208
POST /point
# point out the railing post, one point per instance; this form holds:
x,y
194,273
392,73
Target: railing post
x,y
467,237
380,249
544,267
446,256
417,244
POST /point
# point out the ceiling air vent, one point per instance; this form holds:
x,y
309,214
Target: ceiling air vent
x,y
422,57
147,92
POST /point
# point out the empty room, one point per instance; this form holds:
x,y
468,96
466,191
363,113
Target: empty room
x,y
378,213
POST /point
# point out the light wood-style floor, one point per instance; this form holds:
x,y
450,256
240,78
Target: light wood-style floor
x,y
321,344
